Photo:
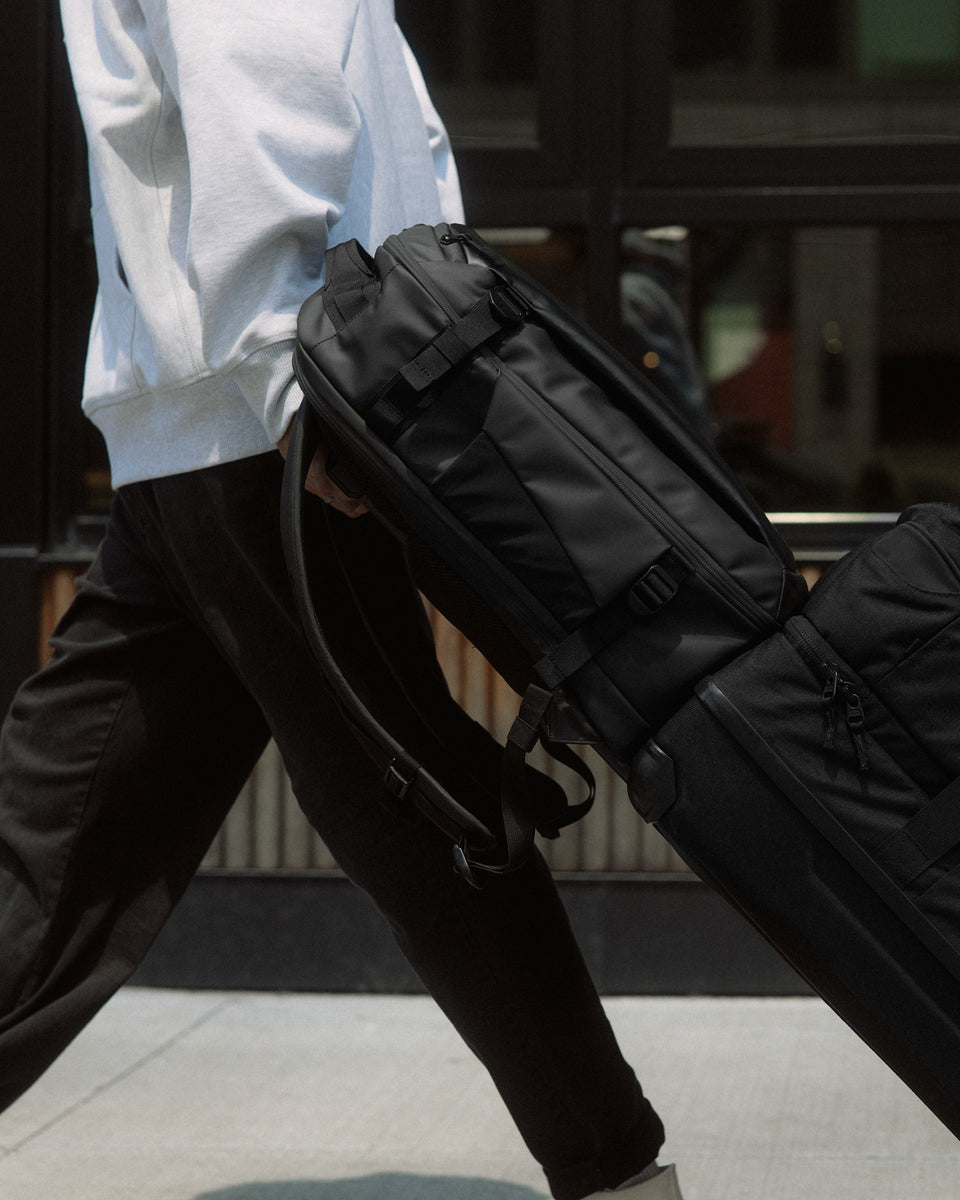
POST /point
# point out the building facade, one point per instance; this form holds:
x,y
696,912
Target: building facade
x,y
789,173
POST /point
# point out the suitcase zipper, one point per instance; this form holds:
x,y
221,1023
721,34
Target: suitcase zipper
x,y
837,691
697,558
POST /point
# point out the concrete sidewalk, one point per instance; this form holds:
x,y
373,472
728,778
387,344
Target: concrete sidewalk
x,y
251,1096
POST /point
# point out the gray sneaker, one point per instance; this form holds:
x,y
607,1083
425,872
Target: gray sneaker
x,y
661,1187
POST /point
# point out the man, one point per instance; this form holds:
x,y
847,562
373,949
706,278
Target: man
x,y
230,143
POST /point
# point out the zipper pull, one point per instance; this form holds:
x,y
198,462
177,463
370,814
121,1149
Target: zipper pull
x,y
492,257
855,723
828,699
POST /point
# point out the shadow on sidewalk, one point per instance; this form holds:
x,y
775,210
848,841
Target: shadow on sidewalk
x,y
378,1187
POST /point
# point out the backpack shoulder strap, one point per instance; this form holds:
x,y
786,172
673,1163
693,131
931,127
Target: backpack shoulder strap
x,y
367,628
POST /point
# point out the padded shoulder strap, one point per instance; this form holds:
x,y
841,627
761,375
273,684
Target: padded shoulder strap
x,y
404,777
430,751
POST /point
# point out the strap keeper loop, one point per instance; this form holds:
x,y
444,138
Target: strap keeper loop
x,y
528,723
398,783
657,586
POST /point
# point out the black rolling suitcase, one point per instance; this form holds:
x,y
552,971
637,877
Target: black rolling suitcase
x,y
549,499
815,783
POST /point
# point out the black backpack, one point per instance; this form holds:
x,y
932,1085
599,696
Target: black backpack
x,y
554,503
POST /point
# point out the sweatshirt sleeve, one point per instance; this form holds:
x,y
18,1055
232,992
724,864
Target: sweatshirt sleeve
x,y
270,129
445,169
231,142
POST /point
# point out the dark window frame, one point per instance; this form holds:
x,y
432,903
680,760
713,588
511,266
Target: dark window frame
x,y
884,164
602,161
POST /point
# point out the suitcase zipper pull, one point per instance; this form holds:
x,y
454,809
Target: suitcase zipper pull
x,y
838,690
835,688
855,724
828,698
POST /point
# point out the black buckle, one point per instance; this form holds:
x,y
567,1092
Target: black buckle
x,y
462,866
396,783
658,585
508,305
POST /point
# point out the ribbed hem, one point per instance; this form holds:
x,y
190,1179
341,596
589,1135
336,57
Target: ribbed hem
x,y
210,420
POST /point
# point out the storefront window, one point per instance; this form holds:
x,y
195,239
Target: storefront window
x,y
786,72
479,58
830,356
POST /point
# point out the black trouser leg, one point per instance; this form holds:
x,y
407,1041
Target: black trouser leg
x,y
118,763
502,962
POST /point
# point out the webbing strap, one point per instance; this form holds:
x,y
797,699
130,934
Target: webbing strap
x,y
925,838
488,316
655,587
520,820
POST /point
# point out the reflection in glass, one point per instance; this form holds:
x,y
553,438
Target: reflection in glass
x,y
795,71
830,358
653,300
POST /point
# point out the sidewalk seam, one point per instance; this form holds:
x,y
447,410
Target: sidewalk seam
x,y
126,1073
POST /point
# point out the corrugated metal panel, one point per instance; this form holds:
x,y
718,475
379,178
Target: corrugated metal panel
x,y
266,829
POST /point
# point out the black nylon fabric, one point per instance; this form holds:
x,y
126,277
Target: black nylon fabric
x,y
902,635
748,841
814,782
545,474
861,696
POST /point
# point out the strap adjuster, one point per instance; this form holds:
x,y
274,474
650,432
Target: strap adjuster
x,y
657,585
396,782
508,305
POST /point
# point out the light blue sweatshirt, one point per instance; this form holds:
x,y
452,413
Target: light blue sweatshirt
x,y
230,142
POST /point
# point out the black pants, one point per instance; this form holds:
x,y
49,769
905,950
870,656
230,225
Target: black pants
x,y
179,657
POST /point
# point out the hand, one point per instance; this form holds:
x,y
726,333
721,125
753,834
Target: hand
x,y
320,484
